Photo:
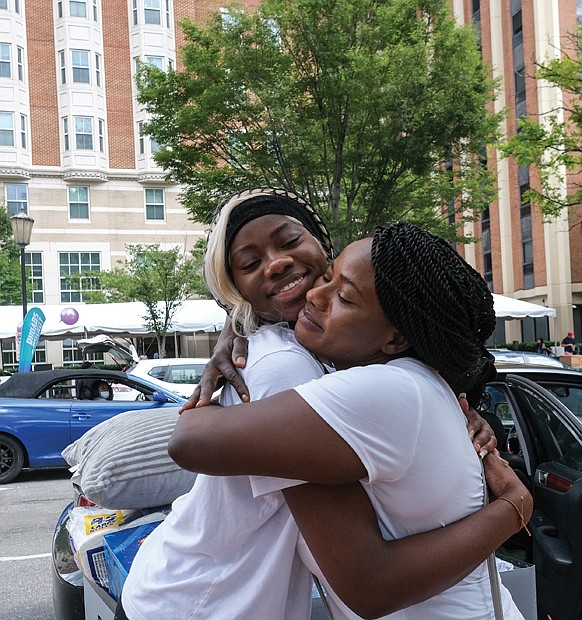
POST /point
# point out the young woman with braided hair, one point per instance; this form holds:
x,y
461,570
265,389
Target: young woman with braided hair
x,y
377,420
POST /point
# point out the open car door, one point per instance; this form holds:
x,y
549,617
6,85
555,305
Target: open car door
x,y
549,439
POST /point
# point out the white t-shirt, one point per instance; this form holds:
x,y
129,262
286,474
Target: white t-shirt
x,y
221,553
405,424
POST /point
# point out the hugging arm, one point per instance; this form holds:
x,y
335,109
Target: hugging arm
x,y
249,439
375,577
371,575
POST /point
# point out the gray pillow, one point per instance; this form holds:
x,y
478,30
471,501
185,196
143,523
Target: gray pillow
x,y
124,462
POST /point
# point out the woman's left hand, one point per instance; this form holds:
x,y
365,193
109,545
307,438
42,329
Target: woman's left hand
x,y
480,432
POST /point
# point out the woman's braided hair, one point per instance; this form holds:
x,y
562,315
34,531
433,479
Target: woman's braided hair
x,y
438,302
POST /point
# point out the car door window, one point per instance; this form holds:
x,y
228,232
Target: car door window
x,y
570,395
496,403
188,373
158,372
553,438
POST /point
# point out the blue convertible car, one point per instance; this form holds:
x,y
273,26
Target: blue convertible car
x,y
43,412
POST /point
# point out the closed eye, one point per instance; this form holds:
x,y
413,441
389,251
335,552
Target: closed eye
x,y
250,266
293,242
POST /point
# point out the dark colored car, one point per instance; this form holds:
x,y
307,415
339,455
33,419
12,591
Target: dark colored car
x,y
43,412
543,442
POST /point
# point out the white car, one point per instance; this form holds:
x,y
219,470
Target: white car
x,y
177,374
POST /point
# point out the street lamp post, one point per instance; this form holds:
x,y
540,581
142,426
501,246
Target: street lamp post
x,y
22,230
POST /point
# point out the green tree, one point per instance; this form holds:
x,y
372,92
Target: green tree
x,y
10,276
160,279
372,110
551,145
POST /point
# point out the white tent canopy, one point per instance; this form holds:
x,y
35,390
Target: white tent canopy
x,y
122,318
509,308
193,316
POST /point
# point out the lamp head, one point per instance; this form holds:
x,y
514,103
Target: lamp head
x,y
21,228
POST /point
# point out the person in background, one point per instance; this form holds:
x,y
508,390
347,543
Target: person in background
x,y
542,347
569,344
83,386
101,390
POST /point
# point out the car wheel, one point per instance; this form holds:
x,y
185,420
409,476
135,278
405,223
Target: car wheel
x,y
11,459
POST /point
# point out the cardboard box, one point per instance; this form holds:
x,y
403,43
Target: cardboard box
x,y
98,604
120,549
521,582
572,360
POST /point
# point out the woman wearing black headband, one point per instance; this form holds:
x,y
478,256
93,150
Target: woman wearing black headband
x,y
373,312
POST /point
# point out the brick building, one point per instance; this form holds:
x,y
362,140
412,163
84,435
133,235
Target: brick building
x,y
73,154
522,256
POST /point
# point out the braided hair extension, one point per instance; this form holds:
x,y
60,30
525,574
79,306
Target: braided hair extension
x,y
229,219
438,302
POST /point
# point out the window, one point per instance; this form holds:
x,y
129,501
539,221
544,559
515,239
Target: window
x,y
520,85
60,8
134,12
78,8
95,12
66,133
168,13
73,356
141,138
101,125
152,12
63,65
10,360
4,4
78,202
486,247
6,129
33,261
154,203
526,228
17,6
80,63
72,263
155,61
23,131
84,133
16,197
97,69
517,23
20,62
154,146
5,60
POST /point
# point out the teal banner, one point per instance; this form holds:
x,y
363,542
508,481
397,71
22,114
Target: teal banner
x,y
31,328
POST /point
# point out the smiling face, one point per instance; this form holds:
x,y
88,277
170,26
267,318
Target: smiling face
x,y
342,321
274,262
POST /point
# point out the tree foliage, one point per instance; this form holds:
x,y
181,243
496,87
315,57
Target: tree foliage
x,y
10,275
354,104
160,279
552,145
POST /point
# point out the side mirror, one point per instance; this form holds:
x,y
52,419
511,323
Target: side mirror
x,y
159,397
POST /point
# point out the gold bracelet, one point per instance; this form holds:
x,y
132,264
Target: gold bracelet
x,y
519,512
